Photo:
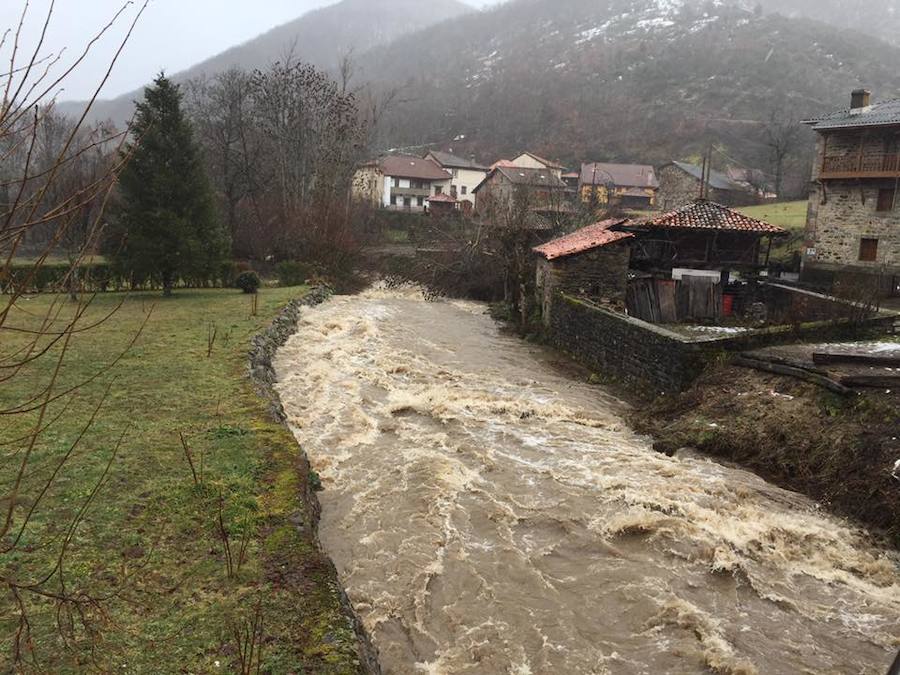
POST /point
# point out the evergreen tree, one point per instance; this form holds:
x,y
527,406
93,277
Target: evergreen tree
x,y
167,228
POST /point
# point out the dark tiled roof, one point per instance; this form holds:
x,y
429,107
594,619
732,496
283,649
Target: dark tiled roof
x,y
623,175
885,113
450,160
412,167
531,177
707,215
717,181
585,239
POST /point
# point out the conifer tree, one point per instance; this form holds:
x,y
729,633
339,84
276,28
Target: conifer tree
x,y
167,228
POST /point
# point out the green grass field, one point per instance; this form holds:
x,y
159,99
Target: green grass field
x,y
149,545
789,215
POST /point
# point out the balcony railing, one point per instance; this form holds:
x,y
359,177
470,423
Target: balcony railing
x,y
865,166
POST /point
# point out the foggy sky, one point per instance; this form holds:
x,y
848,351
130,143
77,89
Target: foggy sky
x,y
172,35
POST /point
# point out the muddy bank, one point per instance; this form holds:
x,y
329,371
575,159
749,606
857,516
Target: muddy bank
x,y
839,451
290,563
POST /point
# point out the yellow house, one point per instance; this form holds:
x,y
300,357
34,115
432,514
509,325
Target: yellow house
x,y
629,185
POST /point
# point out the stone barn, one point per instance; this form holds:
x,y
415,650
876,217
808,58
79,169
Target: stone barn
x,y
681,183
591,262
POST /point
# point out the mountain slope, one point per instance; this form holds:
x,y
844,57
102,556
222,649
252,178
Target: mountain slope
x,y
628,80
321,37
880,19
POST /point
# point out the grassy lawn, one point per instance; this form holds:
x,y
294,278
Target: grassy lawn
x,y
789,215
149,544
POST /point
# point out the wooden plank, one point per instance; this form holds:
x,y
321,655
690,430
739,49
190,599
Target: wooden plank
x,y
784,361
872,381
829,358
797,373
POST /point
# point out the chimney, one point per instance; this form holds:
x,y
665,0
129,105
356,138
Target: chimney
x,y
860,100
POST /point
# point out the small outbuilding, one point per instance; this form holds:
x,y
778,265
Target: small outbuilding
x,y
591,262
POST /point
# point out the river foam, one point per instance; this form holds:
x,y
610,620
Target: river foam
x,y
490,514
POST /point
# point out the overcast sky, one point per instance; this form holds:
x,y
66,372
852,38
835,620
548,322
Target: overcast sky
x,y
172,34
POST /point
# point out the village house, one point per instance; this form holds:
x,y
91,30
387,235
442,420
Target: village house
x,y
466,174
510,192
631,186
528,160
681,183
401,183
853,224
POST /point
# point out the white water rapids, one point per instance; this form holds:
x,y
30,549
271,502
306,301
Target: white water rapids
x,y
489,513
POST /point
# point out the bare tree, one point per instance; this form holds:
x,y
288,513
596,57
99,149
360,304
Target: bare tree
x,y
783,135
51,201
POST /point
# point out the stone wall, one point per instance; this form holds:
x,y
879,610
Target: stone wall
x,y
678,188
655,360
601,274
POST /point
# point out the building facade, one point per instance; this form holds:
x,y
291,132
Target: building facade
x,y
510,192
400,183
681,183
466,175
853,222
632,186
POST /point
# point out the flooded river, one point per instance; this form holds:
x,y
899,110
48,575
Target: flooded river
x,y
490,513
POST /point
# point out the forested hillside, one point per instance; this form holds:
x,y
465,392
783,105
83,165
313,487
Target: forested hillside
x,y
627,80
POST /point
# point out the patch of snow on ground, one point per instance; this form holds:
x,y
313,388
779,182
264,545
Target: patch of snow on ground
x,y
592,33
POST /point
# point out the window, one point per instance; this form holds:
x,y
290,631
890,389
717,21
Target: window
x,y
396,182
407,202
393,200
465,190
421,201
438,189
453,191
885,199
868,250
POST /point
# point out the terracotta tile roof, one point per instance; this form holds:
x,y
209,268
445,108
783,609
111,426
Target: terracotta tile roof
x,y
503,163
706,215
622,175
585,239
403,166
444,198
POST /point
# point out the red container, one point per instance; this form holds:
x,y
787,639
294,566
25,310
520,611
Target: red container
x,y
727,305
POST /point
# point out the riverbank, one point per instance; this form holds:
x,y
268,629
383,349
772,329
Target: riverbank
x,y
838,451
177,593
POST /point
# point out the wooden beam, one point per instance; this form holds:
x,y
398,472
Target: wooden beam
x,y
829,358
796,373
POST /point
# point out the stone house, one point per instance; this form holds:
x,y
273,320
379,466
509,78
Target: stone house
x,y
631,186
466,174
591,262
400,183
681,183
510,191
853,222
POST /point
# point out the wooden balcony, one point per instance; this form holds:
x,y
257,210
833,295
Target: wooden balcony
x,y
865,166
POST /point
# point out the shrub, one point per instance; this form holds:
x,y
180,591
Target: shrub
x,y
248,282
292,273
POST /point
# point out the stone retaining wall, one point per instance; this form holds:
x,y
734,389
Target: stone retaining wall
x,y
655,360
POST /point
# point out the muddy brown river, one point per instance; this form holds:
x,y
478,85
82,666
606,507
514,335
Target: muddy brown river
x,y
490,513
